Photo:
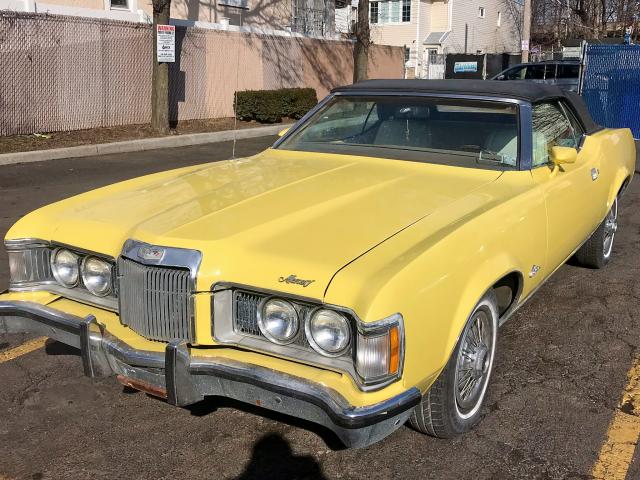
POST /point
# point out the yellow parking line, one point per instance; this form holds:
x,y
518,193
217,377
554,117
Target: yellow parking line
x,y
23,349
622,437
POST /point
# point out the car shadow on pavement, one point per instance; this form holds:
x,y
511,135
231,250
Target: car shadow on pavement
x,y
211,404
272,458
53,347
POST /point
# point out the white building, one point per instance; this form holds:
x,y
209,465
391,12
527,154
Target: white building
x,y
429,28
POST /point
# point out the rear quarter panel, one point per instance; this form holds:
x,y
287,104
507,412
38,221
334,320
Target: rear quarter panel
x,y
618,150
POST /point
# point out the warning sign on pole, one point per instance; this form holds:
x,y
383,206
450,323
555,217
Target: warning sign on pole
x,y
166,44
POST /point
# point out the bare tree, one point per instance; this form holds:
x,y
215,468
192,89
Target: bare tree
x,y
160,73
556,20
362,41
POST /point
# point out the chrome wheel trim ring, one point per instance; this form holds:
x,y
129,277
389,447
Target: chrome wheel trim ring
x,y
474,362
610,228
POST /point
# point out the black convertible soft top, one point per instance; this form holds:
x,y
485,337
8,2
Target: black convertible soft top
x,y
516,89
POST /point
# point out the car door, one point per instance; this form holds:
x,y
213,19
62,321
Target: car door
x,y
570,191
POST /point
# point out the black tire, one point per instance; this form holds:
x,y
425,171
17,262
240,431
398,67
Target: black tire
x,y
598,249
439,414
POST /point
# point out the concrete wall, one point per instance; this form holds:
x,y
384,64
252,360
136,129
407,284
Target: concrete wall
x,y
68,73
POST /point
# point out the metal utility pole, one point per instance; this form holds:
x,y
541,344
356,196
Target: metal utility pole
x,y
526,30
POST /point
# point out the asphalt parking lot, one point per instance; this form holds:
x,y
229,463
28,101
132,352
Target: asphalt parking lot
x,y
562,368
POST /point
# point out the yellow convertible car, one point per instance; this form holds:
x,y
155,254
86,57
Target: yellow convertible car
x,y
353,275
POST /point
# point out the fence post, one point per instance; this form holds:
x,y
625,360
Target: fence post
x,y
484,67
583,66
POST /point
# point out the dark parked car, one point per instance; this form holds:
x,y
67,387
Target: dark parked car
x,y
561,73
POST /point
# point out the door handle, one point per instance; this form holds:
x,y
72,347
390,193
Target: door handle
x,y
595,173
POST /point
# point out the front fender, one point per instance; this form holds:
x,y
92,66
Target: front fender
x,y
435,272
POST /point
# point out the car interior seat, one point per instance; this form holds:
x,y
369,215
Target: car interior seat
x,y
403,126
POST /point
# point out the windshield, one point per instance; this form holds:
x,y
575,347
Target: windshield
x,y
466,133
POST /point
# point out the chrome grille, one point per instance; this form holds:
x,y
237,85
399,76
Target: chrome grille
x,y
155,302
245,316
246,313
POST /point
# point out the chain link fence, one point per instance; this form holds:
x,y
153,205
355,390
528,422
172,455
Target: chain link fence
x,y
68,73
65,73
610,85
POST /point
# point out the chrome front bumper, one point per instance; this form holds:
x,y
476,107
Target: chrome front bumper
x,y
184,379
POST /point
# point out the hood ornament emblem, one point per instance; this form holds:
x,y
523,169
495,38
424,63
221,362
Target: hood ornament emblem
x,y
295,280
151,253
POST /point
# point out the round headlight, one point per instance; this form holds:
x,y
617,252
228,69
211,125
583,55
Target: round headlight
x,y
328,332
96,276
278,321
64,265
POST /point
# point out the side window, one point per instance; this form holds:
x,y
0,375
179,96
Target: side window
x,y
550,128
578,131
568,71
535,72
516,73
550,71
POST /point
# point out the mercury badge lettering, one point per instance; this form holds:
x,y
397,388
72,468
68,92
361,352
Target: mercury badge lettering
x,y
295,280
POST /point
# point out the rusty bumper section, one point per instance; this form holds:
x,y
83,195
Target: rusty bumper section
x,y
183,378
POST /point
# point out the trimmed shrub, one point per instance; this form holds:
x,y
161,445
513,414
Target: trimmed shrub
x,y
269,106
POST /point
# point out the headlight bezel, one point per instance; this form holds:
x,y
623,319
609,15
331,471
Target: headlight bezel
x,y
45,281
225,331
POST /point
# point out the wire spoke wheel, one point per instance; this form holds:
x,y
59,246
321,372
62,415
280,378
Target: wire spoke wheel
x,y
474,362
610,228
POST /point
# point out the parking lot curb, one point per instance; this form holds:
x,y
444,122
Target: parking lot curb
x,y
138,145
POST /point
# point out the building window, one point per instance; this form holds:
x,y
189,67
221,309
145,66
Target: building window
x,y
481,12
499,20
406,10
390,11
373,12
119,4
234,3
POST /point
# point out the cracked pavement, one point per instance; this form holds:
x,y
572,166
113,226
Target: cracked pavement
x,y
560,374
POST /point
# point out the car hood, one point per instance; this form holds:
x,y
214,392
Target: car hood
x,y
262,219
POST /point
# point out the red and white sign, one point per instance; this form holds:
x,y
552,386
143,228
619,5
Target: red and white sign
x,y
166,43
